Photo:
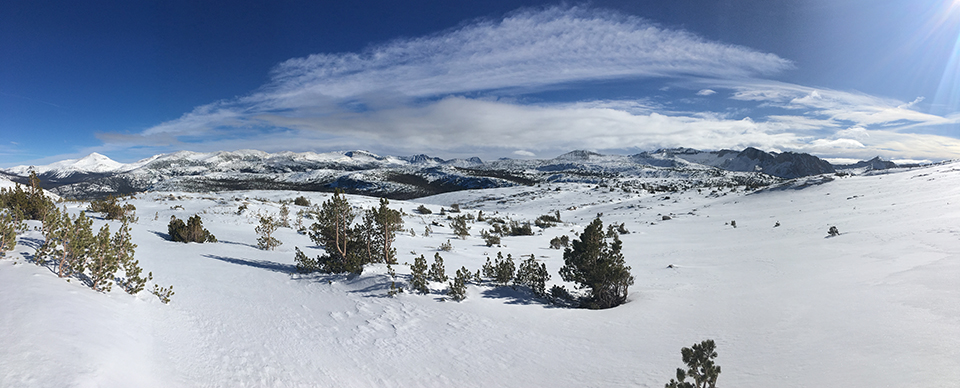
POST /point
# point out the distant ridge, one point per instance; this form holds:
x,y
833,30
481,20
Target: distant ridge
x,y
363,172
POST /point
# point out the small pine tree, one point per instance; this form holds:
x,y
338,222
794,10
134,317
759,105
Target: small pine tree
x,y
833,231
164,293
418,275
423,210
504,269
437,272
446,247
702,369
283,218
103,261
490,239
489,270
460,227
75,238
9,226
266,241
594,263
533,275
124,249
394,290
305,264
457,289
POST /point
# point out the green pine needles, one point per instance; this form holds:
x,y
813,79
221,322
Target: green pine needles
x,y
596,264
700,367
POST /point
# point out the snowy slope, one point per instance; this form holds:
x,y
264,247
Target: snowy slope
x,y
788,307
93,163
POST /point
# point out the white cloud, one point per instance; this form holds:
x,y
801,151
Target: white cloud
x,y
407,96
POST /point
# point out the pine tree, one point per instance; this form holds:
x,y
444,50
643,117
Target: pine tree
x,y
594,263
102,261
76,239
124,249
418,275
388,222
334,233
533,275
283,219
54,224
9,226
437,272
457,289
460,227
504,269
266,241
701,368
305,264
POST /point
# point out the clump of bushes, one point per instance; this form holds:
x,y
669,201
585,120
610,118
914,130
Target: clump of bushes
x,y
32,204
301,201
191,231
423,210
113,210
560,242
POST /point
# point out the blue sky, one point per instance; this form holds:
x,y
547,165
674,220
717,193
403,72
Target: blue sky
x,y
838,78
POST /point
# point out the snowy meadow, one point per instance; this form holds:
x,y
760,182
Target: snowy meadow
x,y
756,271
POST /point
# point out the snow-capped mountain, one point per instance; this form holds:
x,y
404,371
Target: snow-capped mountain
x,y
91,164
362,172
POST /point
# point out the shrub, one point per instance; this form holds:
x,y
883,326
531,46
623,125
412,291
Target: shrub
x,y
164,293
423,210
489,238
192,231
594,263
301,201
702,369
547,220
446,247
833,231
560,242
518,229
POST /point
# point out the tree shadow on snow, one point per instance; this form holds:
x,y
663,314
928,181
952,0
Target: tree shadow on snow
x,y
238,243
262,264
515,296
161,235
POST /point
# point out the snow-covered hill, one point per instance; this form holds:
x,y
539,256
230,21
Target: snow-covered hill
x,y
787,305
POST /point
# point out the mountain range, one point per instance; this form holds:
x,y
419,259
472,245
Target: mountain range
x,y
362,172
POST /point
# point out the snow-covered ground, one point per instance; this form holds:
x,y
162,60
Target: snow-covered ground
x,y
878,305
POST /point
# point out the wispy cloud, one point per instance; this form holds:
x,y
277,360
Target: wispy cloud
x,y
440,94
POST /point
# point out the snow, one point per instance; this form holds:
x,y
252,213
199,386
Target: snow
x,y
93,163
878,305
